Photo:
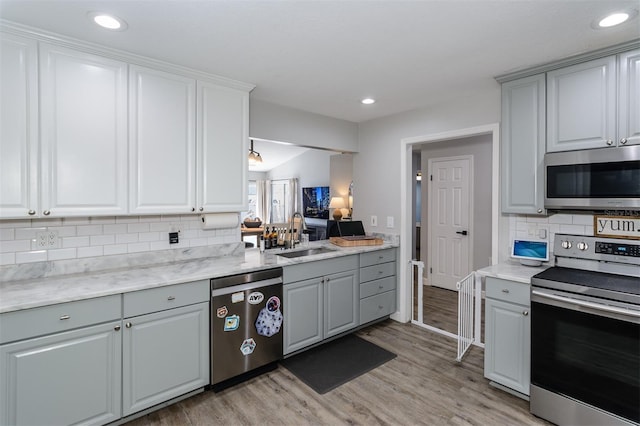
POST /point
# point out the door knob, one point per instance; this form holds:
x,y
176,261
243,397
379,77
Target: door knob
x,y
461,232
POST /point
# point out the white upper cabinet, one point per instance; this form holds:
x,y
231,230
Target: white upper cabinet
x,y
581,106
162,142
83,133
18,127
223,117
629,98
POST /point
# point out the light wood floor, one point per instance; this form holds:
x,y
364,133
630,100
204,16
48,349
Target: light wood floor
x,y
423,385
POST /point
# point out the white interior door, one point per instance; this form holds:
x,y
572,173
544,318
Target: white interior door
x,y
449,225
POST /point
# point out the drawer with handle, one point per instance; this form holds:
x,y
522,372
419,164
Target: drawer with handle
x,y
167,297
508,291
378,306
375,272
60,317
374,287
379,256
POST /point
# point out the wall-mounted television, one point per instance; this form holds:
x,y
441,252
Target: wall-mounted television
x,y
315,202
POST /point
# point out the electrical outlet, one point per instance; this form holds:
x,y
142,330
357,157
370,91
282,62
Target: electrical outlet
x,y
46,240
374,220
389,221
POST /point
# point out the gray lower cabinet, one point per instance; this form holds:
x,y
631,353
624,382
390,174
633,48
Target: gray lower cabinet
x,y
64,366
377,284
320,300
507,357
165,353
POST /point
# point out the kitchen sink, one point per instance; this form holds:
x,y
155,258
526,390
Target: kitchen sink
x,y
307,252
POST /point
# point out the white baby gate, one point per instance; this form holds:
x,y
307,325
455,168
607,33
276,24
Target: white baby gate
x,y
466,302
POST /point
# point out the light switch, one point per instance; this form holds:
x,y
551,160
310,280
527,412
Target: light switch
x,y
374,220
389,221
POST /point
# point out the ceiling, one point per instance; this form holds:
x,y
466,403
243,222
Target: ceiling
x,y
323,56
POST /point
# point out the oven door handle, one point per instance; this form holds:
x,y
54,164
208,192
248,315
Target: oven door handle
x,y
586,304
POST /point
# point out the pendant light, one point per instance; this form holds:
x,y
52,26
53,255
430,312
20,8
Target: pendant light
x,y
254,156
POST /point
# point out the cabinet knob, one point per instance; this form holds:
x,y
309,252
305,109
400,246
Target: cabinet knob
x,y
539,210
32,212
505,290
623,141
65,317
193,209
46,212
171,298
609,142
380,287
128,325
327,280
380,307
201,209
525,313
117,328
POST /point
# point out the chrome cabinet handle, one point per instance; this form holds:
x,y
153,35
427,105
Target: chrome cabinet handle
x,y
46,212
117,328
201,209
504,290
525,313
128,325
623,141
609,142
539,210
32,212
171,298
328,279
380,307
65,317
193,209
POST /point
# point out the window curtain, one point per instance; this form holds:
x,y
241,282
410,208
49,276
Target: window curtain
x,y
294,202
263,200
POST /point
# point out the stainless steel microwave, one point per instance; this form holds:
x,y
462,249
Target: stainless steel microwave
x,y
603,179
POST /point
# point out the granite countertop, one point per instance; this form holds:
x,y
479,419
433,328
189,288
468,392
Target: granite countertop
x,y
78,280
513,271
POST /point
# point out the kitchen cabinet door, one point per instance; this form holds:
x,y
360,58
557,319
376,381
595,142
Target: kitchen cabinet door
x,y
162,142
341,303
66,378
165,355
303,312
83,101
18,127
223,117
581,106
629,98
507,357
523,145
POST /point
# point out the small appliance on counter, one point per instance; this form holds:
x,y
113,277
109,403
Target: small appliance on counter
x,y
350,233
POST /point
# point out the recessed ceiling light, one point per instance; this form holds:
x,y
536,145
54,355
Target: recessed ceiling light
x,y
368,101
107,21
613,19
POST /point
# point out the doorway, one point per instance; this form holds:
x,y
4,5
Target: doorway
x,y
430,144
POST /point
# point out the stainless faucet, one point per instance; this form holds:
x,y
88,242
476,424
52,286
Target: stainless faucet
x,y
292,242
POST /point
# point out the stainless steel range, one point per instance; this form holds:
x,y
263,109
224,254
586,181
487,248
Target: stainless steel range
x,y
585,333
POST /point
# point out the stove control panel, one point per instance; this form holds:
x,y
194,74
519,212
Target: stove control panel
x,y
588,247
618,249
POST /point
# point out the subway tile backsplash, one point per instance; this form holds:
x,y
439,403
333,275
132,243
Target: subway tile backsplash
x,y
103,236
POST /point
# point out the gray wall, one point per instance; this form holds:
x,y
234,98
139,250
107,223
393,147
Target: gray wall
x,y
341,171
283,124
376,166
311,168
480,148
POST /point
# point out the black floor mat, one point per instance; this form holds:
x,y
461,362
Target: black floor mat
x,y
332,364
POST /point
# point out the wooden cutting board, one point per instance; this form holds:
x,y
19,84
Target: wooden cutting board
x,y
356,241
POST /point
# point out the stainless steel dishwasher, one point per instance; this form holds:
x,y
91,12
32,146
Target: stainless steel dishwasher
x,y
246,325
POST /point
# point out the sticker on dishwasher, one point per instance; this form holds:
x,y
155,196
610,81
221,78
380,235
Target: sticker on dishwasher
x,y
237,297
270,318
256,298
222,312
248,346
231,323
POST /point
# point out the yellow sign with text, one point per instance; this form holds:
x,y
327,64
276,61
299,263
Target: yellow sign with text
x,y
617,226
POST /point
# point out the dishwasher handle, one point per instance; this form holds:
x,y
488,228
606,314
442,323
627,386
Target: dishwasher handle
x,y
246,286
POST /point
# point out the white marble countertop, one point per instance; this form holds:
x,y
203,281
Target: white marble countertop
x,y
45,290
513,271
